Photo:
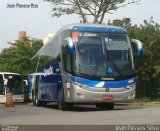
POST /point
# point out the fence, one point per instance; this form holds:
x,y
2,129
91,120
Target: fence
x,y
148,89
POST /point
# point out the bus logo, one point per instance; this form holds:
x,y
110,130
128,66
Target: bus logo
x,y
48,71
110,70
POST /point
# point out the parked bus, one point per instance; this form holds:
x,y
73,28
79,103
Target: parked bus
x,y
86,64
11,82
31,80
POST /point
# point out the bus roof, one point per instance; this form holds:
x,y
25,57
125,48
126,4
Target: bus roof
x,y
36,74
94,27
84,27
9,73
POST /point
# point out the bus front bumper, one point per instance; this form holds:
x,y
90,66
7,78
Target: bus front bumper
x,y
2,98
102,95
18,98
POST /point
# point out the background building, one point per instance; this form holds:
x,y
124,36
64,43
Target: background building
x,y
23,34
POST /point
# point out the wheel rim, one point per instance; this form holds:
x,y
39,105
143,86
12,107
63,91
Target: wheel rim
x,y
36,100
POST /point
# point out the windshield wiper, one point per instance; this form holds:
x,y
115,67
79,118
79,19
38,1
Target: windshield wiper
x,y
110,60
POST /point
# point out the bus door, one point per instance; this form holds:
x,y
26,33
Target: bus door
x,y
10,83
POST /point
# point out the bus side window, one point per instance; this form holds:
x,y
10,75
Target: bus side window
x,y
66,59
65,54
2,91
1,80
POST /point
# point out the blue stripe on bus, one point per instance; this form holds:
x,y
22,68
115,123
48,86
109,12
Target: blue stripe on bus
x,y
103,84
99,29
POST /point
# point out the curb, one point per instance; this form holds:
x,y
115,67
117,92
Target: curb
x,y
144,104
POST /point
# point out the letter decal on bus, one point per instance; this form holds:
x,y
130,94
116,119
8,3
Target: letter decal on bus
x,y
48,71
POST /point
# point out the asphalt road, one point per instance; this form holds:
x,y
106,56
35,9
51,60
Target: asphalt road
x,y
79,115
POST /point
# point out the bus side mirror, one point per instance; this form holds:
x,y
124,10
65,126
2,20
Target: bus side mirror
x,y
25,82
139,45
5,82
70,45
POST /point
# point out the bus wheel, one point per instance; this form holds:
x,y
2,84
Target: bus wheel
x,y
61,102
37,102
33,99
108,106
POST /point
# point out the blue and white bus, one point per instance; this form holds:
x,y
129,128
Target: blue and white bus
x,y
31,80
86,64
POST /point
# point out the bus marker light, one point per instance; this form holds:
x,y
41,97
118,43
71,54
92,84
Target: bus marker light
x,y
107,97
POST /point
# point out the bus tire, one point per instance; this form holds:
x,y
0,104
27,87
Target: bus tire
x,y
33,99
108,106
36,102
39,103
62,105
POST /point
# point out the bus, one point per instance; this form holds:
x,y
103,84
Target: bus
x,y
86,64
11,82
31,80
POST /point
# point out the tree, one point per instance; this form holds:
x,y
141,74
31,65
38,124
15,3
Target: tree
x,y
18,59
84,8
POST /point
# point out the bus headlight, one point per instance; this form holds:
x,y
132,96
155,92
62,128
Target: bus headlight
x,y
131,86
75,84
131,96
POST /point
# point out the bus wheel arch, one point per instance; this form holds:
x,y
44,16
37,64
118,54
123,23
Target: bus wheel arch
x,y
35,100
62,105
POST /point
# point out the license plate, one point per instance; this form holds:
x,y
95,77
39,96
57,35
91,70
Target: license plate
x,y
107,97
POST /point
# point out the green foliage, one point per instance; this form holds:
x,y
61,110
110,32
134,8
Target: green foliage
x,y
18,59
147,99
144,99
97,9
36,45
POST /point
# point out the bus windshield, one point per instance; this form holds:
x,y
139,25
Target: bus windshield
x,y
15,83
103,54
1,85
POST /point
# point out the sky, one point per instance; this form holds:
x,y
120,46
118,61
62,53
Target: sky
x,y
38,22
